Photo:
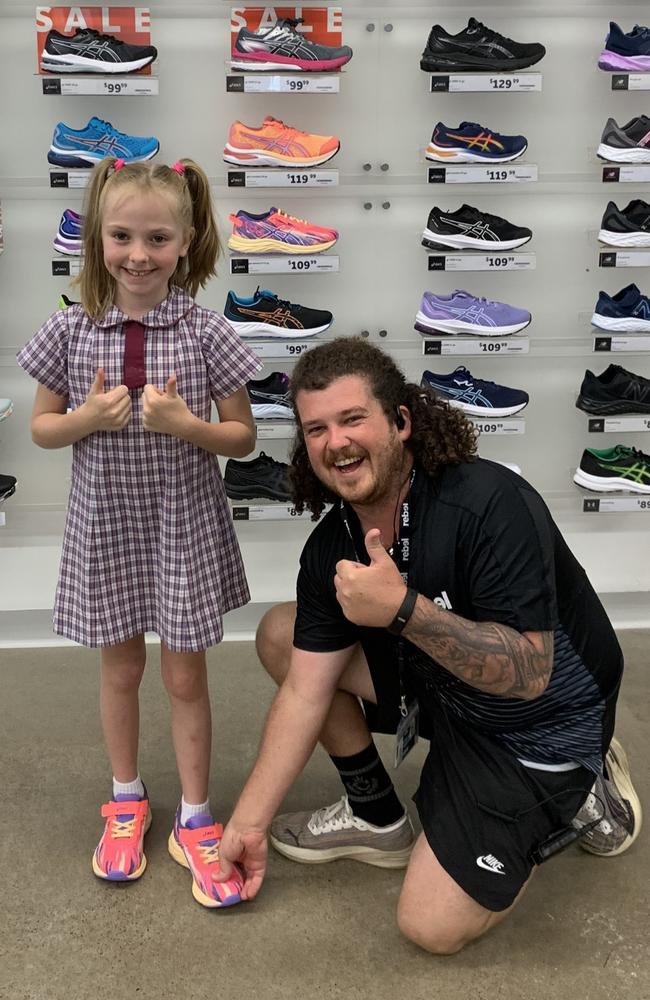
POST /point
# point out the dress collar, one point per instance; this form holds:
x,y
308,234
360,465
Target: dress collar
x,y
167,313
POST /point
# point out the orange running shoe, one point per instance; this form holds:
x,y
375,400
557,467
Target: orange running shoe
x,y
276,144
196,846
119,856
276,232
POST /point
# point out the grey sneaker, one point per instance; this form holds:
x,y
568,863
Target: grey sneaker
x,y
335,832
629,143
613,792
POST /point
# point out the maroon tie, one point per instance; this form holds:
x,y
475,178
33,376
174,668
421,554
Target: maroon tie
x,y
134,374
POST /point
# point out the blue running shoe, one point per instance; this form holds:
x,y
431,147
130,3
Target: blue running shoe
x,y
474,396
68,239
87,146
471,143
626,312
626,52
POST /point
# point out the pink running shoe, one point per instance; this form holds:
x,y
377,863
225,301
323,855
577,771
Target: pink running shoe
x,y
119,856
196,846
276,232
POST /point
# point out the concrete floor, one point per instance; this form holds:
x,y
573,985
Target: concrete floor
x,y
315,931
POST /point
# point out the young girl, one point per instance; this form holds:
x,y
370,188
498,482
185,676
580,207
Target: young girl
x,y
127,377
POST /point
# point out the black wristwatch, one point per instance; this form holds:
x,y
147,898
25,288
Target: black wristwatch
x,y
404,612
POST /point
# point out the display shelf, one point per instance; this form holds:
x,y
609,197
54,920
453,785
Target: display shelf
x,y
254,177
495,173
283,83
278,264
630,81
499,83
66,267
633,423
626,173
473,261
624,258
96,85
616,343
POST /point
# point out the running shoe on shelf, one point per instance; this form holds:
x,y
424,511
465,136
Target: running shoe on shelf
x,y
626,52
610,470
626,312
276,232
461,312
626,227
614,391
629,143
283,47
274,144
472,143
86,51
269,397
266,315
68,239
98,139
260,479
476,47
7,487
475,396
470,229
6,408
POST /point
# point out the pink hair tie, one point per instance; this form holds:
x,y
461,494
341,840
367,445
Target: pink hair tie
x,y
178,167
118,164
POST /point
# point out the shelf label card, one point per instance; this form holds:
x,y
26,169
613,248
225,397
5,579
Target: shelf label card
x,y
472,261
506,426
633,174
276,264
280,348
616,258
504,83
281,432
137,86
66,268
632,345
258,84
618,425
492,347
473,174
255,178
614,505
268,512
630,81
69,178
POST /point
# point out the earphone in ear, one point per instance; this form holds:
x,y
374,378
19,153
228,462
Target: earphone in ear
x,y
399,419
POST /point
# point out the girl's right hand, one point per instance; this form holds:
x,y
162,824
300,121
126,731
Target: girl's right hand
x,y
107,411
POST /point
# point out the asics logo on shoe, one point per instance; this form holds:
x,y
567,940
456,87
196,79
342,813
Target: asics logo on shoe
x,y
276,145
472,314
637,473
279,317
491,864
490,47
261,230
481,141
478,228
102,50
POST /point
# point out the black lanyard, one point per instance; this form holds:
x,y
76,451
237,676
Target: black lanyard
x,y
401,556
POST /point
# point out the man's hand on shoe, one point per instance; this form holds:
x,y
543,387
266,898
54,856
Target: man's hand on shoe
x,y
248,849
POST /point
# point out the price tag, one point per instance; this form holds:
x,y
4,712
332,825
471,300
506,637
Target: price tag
x,y
277,264
630,81
616,505
478,174
506,426
632,345
616,258
66,268
268,512
2,519
472,261
638,173
280,348
492,347
136,86
619,425
504,83
278,432
254,178
312,84
69,178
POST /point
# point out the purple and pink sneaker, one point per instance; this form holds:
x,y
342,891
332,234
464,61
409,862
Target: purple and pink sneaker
x,y
196,846
461,312
283,47
626,52
68,239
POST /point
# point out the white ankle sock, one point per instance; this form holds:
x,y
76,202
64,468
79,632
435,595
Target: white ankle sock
x,y
134,787
188,809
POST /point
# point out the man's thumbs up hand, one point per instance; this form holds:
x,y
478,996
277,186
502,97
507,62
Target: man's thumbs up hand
x,y
370,595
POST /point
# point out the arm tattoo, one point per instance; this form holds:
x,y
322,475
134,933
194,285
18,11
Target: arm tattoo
x,y
491,657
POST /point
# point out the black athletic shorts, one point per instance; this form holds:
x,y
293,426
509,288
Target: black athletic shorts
x,y
482,812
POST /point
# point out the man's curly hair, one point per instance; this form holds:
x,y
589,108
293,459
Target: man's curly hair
x,y
440,435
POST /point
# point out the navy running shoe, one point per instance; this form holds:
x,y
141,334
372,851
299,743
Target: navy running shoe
x,y
471,143
626,312
626,52
265,315
475,396
98,139
68,239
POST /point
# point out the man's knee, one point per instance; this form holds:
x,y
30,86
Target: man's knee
x,y
274,639
437,940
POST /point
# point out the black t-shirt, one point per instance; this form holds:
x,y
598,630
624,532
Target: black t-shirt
x,y
484,546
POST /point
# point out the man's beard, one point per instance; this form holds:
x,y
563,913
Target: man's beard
x,y
388,474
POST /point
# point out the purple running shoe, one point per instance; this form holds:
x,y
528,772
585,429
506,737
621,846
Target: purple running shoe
x,y
626,52
68,239
461,312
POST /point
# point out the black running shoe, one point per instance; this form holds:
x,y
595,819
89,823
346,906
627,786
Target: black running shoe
x,y
7,487
265,315
86,51
626,227
609,470
476,47
262,478
469,228
270,397
614,391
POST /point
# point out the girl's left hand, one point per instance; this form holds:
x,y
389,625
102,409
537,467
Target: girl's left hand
x,y
165,411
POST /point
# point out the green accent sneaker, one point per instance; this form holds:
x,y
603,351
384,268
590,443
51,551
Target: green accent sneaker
x,y
609,470
64,302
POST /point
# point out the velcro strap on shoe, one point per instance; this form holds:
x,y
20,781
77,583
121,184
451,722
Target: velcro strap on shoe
x,y
190,838
138,808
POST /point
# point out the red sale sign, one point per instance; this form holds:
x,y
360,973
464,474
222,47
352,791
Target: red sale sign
x,y
319,24
128,24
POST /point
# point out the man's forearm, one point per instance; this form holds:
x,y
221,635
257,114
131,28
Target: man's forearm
x,y
486,655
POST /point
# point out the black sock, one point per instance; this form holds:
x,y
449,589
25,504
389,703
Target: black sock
x,y
370,791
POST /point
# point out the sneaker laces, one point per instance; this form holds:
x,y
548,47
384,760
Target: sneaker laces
x,y
102,38
641,455
491,34
291,24
292,218
284,127
329,819
110,129
122,829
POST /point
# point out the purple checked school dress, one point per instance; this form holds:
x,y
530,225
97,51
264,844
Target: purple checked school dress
x,y
149,543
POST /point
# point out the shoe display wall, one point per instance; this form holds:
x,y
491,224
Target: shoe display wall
x,y
327,119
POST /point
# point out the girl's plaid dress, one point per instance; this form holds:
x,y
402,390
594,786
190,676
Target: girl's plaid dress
x,y
149,543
